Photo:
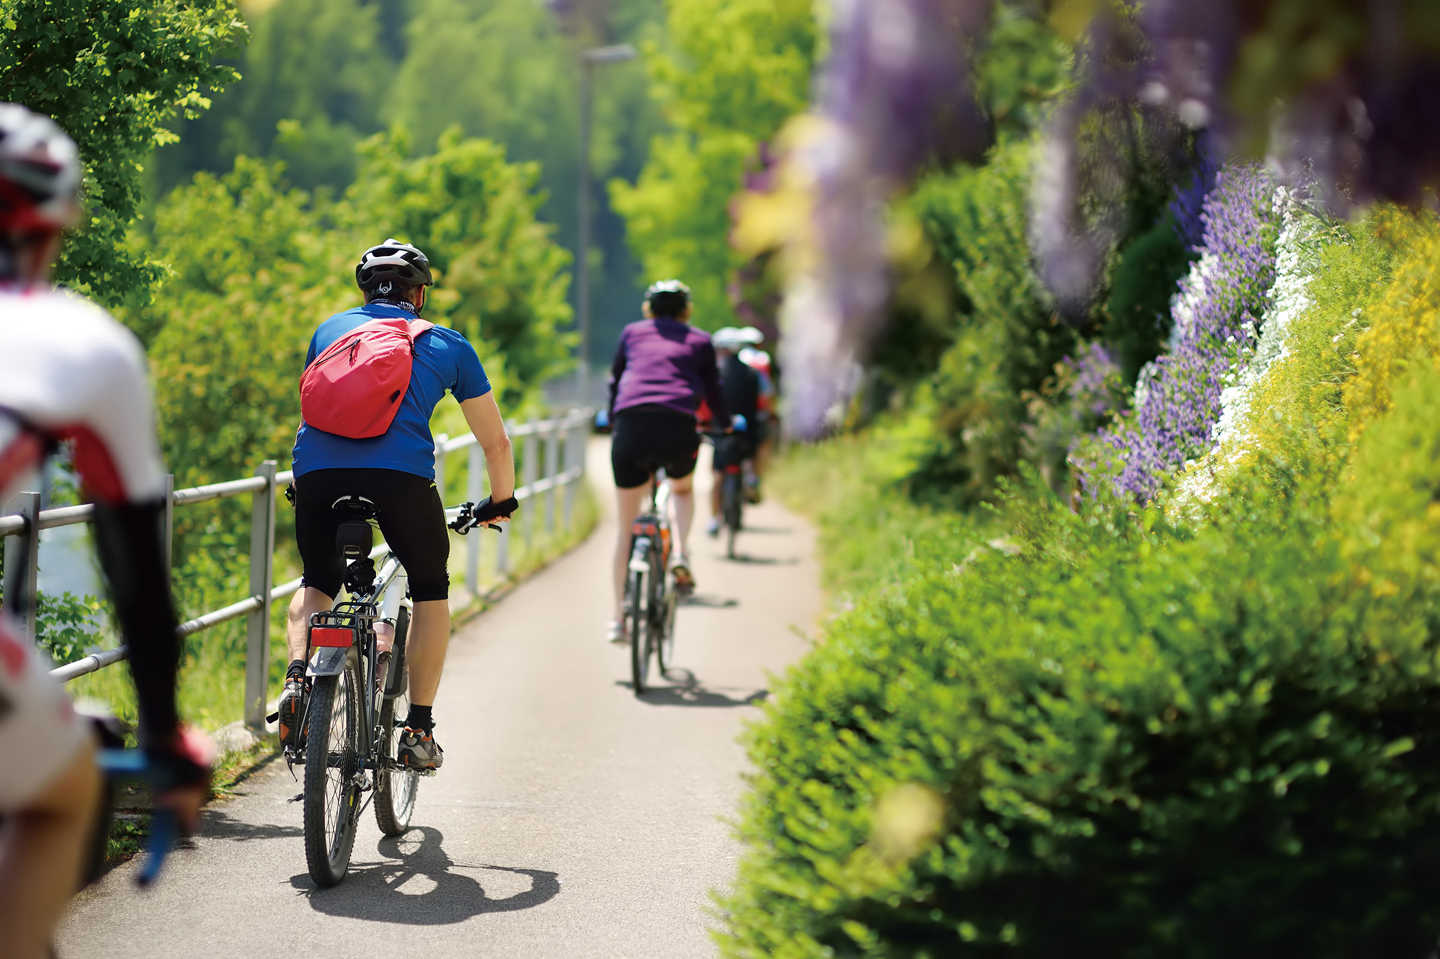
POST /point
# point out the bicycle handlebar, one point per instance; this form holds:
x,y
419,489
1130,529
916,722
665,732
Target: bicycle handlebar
x,y
471,515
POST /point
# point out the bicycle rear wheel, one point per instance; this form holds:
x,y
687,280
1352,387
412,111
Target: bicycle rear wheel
x,y
332,767
395,786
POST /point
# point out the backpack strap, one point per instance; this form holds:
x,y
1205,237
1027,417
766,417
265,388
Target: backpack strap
x,y
417,327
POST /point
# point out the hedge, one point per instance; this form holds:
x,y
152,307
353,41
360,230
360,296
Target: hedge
x,y
1127,740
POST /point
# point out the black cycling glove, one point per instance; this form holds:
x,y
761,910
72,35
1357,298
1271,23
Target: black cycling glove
x,y
486,510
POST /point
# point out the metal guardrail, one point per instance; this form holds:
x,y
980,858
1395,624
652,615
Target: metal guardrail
x,y
563,440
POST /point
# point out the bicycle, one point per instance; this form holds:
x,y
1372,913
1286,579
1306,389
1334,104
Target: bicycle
x,y
651,594
357,713
728,449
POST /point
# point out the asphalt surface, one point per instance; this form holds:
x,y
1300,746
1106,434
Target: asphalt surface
x,y
571,819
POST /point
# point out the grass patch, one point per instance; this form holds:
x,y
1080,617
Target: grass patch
x,y
872,533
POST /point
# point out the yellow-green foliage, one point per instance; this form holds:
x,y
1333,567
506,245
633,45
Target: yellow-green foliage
x,y
1404,325
1389,505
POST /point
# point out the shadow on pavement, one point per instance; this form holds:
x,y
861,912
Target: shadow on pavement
x,y
689,691
709,602
219,825
763,560
378,892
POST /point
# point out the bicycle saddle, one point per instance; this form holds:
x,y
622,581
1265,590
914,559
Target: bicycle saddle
x,y
355,537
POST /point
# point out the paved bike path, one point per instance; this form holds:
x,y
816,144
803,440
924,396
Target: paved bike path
x,y
570,820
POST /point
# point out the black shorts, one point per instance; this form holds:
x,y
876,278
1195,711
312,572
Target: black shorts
x,y
410,515
650,438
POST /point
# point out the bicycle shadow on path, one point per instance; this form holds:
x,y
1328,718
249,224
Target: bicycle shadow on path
x,y
390,891
689,691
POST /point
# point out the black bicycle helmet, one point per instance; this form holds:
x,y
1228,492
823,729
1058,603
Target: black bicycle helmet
x,y
40,173
393,262
667,298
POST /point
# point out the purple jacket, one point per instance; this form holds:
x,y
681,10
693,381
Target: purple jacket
x,y
666,363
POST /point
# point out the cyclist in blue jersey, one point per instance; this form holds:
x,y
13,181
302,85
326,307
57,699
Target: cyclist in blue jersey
x,y
395,471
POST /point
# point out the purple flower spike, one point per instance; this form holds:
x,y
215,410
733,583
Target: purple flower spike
x,y
1216,322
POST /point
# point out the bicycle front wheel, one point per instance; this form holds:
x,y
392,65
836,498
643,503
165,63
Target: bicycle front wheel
x,y
665,647
332,773
638,616
395,786
730,497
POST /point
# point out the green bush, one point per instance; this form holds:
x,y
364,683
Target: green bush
x,y
1126,740
1007,340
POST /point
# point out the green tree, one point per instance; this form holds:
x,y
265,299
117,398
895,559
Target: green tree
x,y
734,72
502,279
112,73
314,71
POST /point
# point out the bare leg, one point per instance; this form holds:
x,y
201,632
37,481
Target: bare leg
x,y
717,479
303,605
627,507
682,499
425,648
42,853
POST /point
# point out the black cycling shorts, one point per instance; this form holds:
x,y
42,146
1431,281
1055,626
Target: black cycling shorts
x,y
410,515
651,438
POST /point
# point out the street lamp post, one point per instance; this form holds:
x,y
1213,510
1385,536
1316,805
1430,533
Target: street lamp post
x,y
589,59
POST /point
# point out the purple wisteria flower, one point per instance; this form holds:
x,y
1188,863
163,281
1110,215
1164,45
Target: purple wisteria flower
x,y
1346,91
894,92
1216,321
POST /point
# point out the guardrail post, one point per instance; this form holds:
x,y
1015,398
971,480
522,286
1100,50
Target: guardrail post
x,y
552,470
262,572
22,555
532,461
475,485
169,540
569,463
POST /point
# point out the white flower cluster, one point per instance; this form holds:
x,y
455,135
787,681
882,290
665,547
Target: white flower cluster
x,y
1296,259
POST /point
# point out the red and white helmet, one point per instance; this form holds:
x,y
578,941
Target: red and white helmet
x,y
40,173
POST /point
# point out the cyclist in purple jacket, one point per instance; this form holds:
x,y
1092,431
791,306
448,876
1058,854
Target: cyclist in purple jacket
x,y
663,368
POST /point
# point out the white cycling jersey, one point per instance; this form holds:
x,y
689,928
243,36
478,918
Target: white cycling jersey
x,y
67,371
72,372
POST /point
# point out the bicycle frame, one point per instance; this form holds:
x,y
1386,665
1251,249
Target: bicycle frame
x,y
327,652
652,524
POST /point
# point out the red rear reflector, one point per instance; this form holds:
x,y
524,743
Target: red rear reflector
x,y
331,636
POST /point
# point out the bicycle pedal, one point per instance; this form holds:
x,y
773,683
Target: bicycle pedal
x,y
298,797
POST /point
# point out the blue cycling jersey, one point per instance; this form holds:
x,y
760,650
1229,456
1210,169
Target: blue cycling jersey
x,y
444,360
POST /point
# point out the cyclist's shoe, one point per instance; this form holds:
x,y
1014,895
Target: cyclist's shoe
x,y
615,632
714,528
291,713
419,750
684,579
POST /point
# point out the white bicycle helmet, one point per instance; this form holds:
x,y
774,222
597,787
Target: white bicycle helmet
x,y
40,173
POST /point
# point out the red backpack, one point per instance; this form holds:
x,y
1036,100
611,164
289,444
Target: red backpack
x,y
355,387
